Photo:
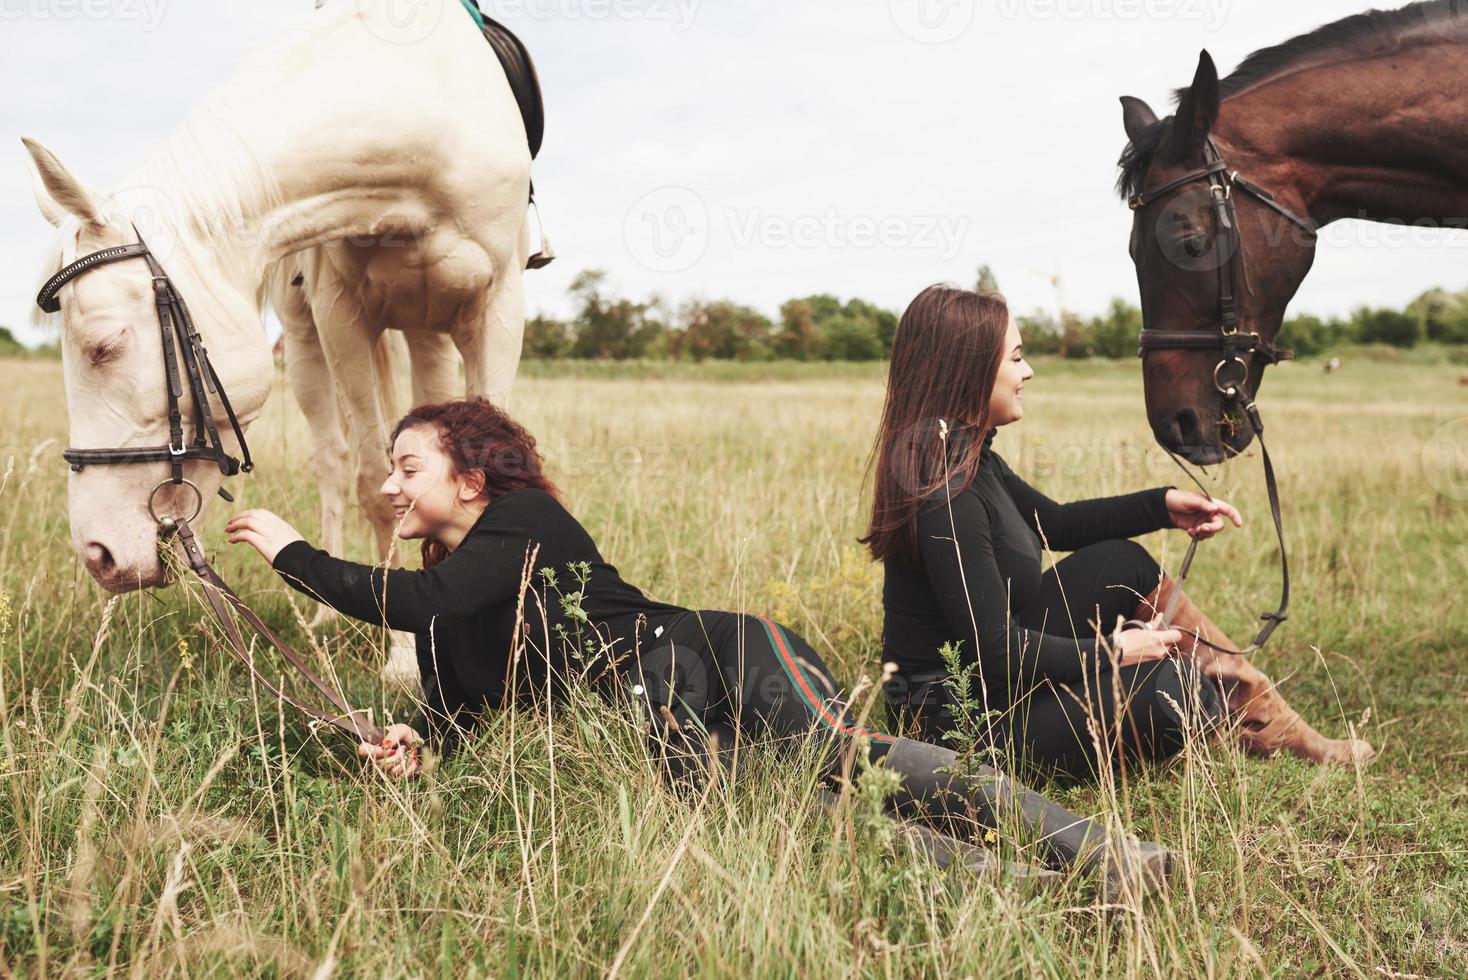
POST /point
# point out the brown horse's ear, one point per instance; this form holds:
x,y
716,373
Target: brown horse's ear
x,y
1197,111
1137,116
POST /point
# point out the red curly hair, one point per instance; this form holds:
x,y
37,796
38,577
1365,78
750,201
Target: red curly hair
x,y
478,435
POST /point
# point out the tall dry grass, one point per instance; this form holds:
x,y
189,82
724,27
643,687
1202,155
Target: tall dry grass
x,y
160,818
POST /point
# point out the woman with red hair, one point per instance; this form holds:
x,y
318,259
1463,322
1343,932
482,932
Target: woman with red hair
x,y
515,602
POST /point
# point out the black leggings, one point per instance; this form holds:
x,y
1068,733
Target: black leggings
x,y
1140,712
719,674
709,675
705,678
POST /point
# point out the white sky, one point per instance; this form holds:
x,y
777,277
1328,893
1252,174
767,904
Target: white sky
x,y
778,147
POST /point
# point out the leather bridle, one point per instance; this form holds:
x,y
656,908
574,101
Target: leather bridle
x,y
181,342
1231,373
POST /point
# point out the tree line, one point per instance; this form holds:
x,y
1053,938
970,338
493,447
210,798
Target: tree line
x,y
822,327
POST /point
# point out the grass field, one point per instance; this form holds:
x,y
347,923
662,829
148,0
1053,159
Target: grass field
x,y
158,820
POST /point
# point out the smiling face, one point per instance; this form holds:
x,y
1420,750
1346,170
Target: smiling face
x,y
428,497
1006,404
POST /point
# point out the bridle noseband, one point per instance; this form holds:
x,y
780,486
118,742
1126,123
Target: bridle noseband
x,y
181,341
1228,339
1232,345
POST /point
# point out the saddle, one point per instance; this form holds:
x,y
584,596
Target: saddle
x,y
519,69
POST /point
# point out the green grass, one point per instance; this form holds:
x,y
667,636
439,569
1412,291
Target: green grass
x,y
159,820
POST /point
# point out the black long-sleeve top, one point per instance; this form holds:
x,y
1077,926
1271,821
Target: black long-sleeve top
x,y
979,560
465,609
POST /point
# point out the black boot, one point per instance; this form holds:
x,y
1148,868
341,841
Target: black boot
x,y
993,799
950,852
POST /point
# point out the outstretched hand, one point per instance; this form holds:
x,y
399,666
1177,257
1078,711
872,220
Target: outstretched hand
x,y
264,530
1200,517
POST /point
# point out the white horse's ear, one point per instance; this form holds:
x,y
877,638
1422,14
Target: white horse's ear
x,y
58,193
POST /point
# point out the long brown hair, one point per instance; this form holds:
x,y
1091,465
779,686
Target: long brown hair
x,y
478,435
945,359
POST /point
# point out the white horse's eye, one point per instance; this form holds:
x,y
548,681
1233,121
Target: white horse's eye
x,y
99,354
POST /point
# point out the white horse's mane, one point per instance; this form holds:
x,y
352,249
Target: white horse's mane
x,y
206,167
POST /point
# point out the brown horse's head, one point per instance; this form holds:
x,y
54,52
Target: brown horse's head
x,y
1179,251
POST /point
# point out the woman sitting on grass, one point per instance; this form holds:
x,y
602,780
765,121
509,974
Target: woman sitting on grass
x,y
961,538
514,601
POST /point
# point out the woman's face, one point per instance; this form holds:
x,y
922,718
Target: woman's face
x,y
1007,405
424,492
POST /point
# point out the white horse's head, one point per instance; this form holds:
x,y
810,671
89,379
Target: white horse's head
x,y
113,366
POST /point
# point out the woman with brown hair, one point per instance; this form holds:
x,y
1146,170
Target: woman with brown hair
x,y
515,604
961,539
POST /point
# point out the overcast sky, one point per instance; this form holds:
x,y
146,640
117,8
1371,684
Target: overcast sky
x,y
751,149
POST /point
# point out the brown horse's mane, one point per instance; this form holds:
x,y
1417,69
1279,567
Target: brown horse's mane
x,y
1355,36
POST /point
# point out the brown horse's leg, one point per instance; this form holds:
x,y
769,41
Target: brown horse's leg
x,y
1267,722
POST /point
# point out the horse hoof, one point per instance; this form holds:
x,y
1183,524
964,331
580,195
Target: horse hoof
x,y
401,669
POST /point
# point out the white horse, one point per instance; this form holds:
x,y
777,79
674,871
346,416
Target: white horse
x,y
370,173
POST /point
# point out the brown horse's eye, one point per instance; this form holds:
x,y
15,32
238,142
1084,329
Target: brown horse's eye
x,y
1190,241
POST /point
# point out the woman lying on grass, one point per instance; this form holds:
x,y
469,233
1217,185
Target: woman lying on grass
x,y
961,538
514,602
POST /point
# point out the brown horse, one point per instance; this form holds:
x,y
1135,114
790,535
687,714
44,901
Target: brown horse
x,y
1364,118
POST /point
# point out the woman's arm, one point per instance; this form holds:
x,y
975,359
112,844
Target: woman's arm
x,y
484,570
956,542
1072,526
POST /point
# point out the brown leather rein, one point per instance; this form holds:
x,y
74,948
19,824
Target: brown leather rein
x,y
354,722
1231,374
181,342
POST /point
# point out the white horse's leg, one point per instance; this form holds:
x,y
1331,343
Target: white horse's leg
x,y
348,336
311,384
435,367
490,335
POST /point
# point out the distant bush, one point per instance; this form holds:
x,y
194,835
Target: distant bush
x,y
822,327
